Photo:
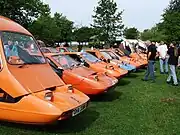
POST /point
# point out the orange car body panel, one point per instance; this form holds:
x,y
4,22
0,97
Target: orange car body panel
x,y
82,78
114,62
127,59
103,67
137,58
141,57
27,86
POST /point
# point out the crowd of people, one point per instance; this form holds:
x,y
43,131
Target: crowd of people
x,y
168,55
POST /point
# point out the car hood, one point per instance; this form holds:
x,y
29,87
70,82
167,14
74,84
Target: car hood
x,y
83,71
100,64
35,78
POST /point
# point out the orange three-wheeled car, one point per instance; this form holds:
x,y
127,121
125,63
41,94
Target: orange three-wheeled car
x,y
111,58
97,65
81,77
30,90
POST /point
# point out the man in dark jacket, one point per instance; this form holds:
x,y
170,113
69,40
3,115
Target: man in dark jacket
x,y
173,62
151,56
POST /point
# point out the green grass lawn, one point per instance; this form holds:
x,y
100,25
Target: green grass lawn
x,y
134,108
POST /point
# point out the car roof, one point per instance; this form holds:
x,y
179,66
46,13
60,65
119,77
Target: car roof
x,y
8,25
51,54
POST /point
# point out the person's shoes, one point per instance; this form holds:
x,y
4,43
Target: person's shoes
x,y
166,73
153,81
168,82
162,73
144,80
175,84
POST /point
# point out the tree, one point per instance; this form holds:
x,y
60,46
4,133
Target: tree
x,y
52,29
153,34
23,11
131,33
45,29
84,34
171,21
108,20
64,27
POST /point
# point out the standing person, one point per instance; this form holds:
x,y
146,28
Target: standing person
x,y
163,58
10,49
173,62
151,56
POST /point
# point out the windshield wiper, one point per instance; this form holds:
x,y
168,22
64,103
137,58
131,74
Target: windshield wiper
x,y
24,64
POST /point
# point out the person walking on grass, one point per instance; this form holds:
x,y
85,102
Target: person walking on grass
x,y
151,56
173,62
163,58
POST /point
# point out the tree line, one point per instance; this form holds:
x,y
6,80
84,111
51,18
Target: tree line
x,y
107,24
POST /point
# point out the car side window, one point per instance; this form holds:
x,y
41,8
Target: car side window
x,y
1,64
45,50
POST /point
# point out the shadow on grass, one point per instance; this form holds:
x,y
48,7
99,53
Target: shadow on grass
x,y
108,97
76,124
123,82
131,75
140,70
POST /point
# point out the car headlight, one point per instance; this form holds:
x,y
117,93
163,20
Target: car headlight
x,y
48,96
70,89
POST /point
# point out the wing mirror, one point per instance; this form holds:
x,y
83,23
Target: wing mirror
x,y
60,69
108,60
86,64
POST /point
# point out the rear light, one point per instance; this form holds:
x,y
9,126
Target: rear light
x,y
70,89
48,96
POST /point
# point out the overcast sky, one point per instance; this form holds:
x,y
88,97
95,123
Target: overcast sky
x,y
137,13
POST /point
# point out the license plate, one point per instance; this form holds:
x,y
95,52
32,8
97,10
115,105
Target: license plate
x,y
79,109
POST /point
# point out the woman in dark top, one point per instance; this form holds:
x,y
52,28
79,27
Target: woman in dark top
x,y
173,62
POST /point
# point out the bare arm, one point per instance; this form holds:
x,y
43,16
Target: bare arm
x,y
149,54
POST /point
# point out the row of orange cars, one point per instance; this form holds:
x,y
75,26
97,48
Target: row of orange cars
x,y
39,88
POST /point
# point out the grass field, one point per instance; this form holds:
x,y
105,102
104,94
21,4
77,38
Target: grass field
x,y
134,108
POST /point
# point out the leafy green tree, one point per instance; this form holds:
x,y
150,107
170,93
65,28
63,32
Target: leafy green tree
x,y
153,34
64,27
131,33
108,20
52,29
45,29
23,11
171,21
84,34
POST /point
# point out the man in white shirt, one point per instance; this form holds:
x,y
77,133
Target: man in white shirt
x,y
163,57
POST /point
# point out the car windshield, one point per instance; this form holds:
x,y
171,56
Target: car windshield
x,y
106,55
112,55
53,50
21,49
66,61
70,49
90,57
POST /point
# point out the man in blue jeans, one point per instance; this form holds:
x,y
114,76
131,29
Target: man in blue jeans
x,y
163,58
151,56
